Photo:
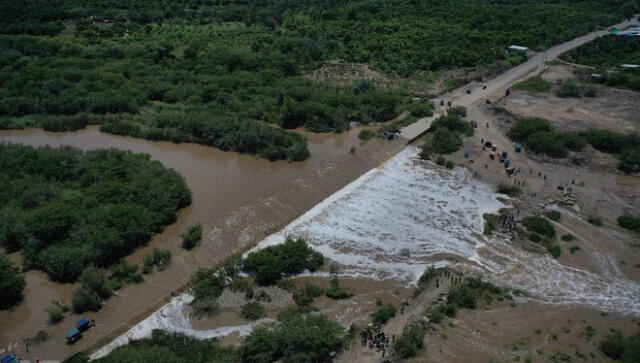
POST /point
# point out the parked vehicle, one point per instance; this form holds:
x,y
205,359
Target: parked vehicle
x,y
73,336
9,359
83,324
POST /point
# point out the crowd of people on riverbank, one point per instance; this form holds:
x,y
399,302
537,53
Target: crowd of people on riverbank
x,y
374,338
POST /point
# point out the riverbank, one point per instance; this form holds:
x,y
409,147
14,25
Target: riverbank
x,y
238,199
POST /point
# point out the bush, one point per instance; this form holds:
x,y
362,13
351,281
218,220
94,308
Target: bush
x,y
383,313
335,291
458,111
84,300
626,349
630,223
125,273
491,222
55,315
192,237
539,225
568,237
12,283
272,263
535,84
296,337
410,343
608,141
252,311
366,135
569,88
553,249
157,258
527,127
534,237
595,220
554,215
574,249
445,141
548,143
508,189
422,109
629,161
572,141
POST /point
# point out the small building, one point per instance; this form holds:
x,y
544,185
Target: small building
x,y
517,48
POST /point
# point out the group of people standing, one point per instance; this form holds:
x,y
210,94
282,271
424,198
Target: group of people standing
x,y
376,339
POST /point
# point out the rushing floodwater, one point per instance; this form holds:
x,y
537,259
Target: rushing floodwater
x,y
395,220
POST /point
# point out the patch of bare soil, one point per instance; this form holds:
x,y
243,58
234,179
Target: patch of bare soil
x,y
523,331
613,109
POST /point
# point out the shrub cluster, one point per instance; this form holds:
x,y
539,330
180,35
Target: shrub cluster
x,y
447,134
410,343
618,347
159,259
94,287
629,222
383,313
274,262
66,209
192,237
535,84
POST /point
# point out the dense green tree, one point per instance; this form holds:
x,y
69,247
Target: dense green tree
x,y
12,283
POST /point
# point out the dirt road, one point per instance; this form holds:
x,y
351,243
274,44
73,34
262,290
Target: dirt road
x,y
503,81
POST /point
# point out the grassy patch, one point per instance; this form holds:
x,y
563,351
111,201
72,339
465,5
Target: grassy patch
x,y
252,311
568,237
383,313
540,225
508,189
535,84
553,215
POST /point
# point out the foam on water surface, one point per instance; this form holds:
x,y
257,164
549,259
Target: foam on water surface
x,y
399,218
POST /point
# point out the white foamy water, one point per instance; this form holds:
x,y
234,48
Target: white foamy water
x,y
391,222
397,219
172,318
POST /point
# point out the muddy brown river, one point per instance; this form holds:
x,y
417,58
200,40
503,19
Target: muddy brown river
x,y
238,199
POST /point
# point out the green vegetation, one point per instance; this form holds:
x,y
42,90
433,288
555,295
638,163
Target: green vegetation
x,y
626,147
491,222
535,84
252,310
508,189
595,220
66,209
629,222
124,273
335,291
574,249
383,313
12,283
467,295
447,134
618,347
366,135
171,347
218,73
554,215
569,88
297,336
607,54
410,343
94,287
538,136
56,311
568,237
159,259
272,263
540,225
192,237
